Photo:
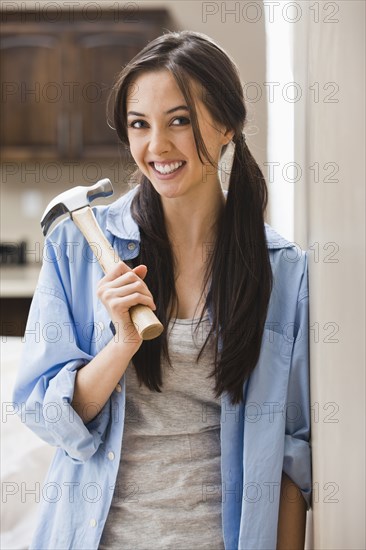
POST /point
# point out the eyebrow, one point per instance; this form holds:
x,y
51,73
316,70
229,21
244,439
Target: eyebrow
x,y
180,107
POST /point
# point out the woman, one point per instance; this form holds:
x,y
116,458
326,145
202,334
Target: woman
x,y
199,438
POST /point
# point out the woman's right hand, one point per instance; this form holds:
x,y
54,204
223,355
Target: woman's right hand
x,y
119,290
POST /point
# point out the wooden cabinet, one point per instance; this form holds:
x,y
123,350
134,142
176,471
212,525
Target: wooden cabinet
x,y
56,76
13,316
31,122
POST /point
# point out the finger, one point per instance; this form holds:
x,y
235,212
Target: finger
x,y
123,280
141,271
120,269
119,298
137,273
132,287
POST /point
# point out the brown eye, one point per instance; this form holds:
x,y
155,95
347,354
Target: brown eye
x,y
185,121
132,124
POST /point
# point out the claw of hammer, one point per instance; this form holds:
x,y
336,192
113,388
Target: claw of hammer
x,y
76,202
73,199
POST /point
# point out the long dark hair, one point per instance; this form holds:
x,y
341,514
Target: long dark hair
x,y
238,266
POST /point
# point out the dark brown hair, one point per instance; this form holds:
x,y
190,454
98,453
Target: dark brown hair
x,y
238,277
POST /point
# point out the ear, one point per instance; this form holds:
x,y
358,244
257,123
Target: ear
x,y
228,136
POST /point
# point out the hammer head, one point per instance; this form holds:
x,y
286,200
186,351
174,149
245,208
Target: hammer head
x,y
72,200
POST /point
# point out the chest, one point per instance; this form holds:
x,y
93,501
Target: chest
x,y
189,284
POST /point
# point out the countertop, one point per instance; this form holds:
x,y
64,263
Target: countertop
x,y
18,281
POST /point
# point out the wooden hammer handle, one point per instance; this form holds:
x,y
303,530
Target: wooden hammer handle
x,y
146,323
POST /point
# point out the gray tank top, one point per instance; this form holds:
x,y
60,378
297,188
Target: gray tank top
x,y
168,488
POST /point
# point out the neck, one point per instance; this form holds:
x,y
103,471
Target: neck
x,y
191,223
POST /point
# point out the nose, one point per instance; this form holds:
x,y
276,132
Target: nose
x,y
159,141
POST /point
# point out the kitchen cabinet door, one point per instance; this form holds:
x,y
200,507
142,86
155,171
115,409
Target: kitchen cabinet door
x,y
98,58
32,107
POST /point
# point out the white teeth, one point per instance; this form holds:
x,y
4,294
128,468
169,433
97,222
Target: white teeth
x,y
167,168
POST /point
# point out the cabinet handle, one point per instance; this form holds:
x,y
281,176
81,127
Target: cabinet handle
x,y
63,133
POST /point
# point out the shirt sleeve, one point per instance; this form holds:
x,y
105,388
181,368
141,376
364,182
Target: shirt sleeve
x,y
297,456
52,352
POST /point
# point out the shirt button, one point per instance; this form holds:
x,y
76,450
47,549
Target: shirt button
x,y
131,246
118,388
101,325
93,523
111,455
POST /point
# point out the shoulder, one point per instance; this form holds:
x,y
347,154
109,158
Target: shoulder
x,y
289,264
276,241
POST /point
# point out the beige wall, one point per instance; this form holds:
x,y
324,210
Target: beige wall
x,y
331,219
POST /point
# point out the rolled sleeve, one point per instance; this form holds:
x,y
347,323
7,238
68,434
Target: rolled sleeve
x,y
78,440
297,454
52,353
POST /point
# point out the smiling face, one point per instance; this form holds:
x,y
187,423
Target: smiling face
x,y
161,137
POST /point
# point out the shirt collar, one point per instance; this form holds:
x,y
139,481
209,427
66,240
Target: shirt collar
x,y
119,218
121,224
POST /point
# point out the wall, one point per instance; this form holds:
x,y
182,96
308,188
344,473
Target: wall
x,y
329,58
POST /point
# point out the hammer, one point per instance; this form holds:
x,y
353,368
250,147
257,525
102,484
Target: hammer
x,y
76,202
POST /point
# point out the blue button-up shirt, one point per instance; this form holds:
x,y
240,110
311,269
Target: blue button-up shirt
x,y
67,326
